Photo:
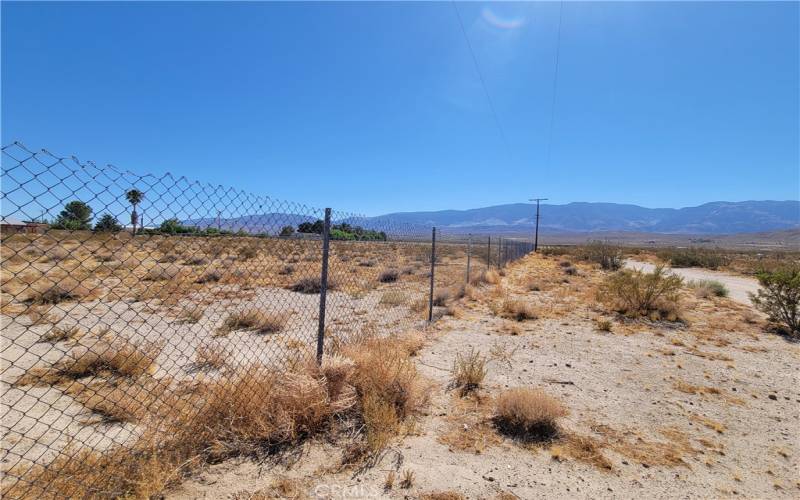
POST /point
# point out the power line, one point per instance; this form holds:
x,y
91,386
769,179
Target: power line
x,y
555,85
480,76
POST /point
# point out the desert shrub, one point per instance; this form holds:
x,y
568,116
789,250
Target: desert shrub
x,y
162,273
693,257
635,293
556,251
196,261
600,252
210,276
65,290
707,288
565,263
247,252
468,371
779,298
255,320
367,263
393,298
388,276
169,258
517,309
528,414
489,276
286,270
570,271
604,325
440,297
311,285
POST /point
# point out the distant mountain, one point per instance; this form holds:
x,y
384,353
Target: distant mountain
x,y
718,217
710,218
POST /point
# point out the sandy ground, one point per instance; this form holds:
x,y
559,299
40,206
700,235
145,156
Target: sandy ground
x,y
738,441
739,286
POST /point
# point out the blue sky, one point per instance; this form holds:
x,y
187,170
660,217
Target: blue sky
x,y
378,107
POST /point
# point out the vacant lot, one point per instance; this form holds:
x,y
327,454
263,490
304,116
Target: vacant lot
x,y
697,408
181,364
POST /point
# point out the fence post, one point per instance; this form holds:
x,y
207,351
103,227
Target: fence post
x,y
499,258
433,268
323,289
489,253
469,252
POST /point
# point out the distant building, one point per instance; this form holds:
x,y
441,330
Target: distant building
x,y
10,225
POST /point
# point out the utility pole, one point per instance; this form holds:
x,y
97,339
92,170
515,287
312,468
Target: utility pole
x,y
536,236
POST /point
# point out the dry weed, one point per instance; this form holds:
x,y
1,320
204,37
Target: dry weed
x,y
254,320
468,371
528,414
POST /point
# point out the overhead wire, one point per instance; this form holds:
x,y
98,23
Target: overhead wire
x,y
480,77
555,86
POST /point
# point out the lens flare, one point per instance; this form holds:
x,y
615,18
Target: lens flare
x,y
493,19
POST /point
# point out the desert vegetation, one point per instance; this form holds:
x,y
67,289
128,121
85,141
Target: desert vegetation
x,y
198,348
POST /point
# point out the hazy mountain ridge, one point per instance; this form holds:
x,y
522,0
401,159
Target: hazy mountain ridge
x,y
710,218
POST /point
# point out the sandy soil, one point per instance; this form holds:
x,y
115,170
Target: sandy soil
x,y
637,389
739,286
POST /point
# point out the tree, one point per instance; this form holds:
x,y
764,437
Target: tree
x,y
76,216
287,231
134,197
172,226
307,227
779,297
108,223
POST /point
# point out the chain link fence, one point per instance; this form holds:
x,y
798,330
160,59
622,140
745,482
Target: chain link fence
x,y
118,288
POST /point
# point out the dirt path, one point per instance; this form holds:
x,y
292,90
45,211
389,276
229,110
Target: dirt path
x,y
738,286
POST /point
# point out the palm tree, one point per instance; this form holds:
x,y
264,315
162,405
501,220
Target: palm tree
x,y
134,197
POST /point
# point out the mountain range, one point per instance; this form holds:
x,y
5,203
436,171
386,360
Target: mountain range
x,y
715,218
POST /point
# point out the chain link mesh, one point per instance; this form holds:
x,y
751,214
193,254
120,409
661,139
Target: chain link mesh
x,y
117,288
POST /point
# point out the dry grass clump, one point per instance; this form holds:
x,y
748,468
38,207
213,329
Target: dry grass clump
x,y
442,495
210,357
255,320
286,270
246,413
440,297
388,276
489,276
59,334
518,310
468,371
708,288
582,448
388,387
210,276
191,315
528,414
393,298
281,487
64,290
311,285
604,325
162,273
638,294
107,359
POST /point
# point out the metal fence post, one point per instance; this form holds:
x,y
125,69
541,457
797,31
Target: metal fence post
x,y
433,269
323,289
489,253
499,259
469,254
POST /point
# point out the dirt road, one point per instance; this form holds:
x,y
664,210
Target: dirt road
x,y
738,286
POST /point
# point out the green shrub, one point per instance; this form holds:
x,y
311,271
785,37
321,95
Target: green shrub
x,y
76,216
637,294
779,297
707,288
693,257
108,223
608,256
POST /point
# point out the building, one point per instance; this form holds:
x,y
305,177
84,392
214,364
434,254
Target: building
x,y
10,225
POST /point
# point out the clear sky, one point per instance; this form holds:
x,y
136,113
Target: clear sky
x,y
378,107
